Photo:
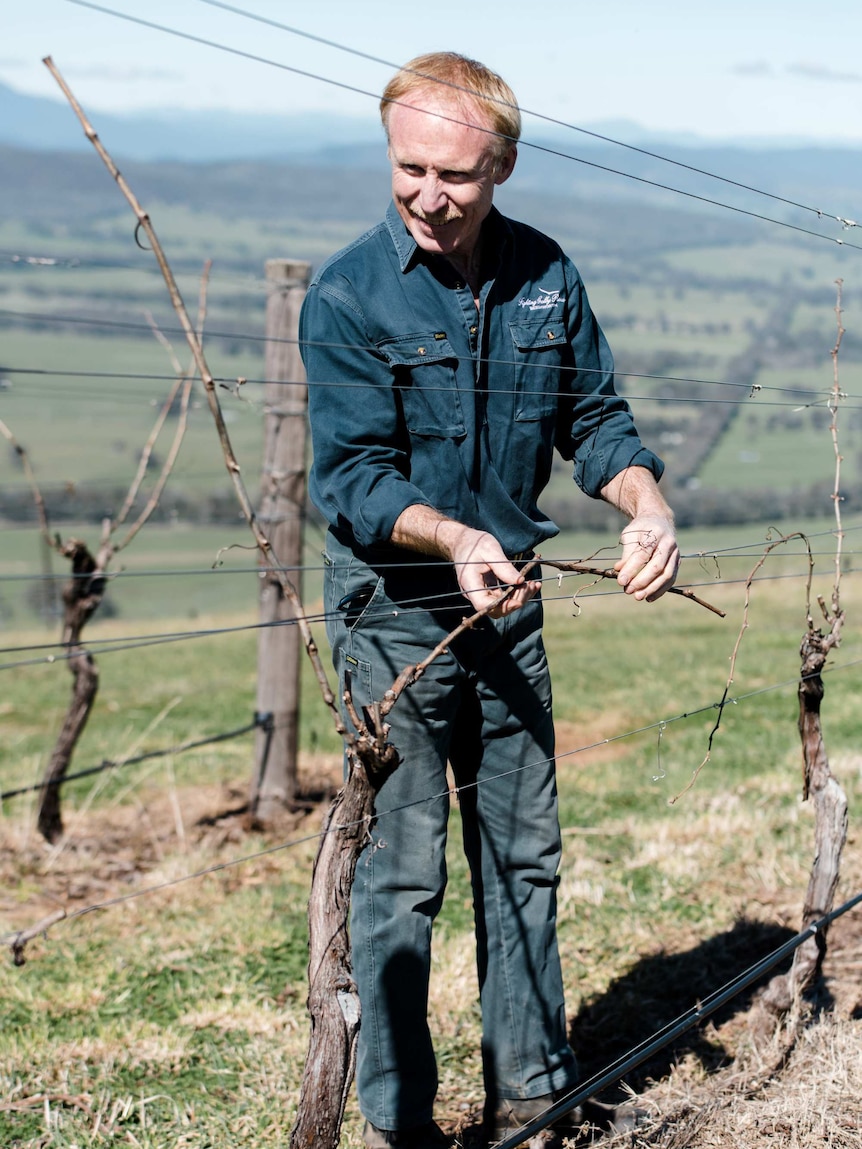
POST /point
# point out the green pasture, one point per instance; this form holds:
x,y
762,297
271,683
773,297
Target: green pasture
x,y
247,241
185,234
783,261
676,304
785,442
688,314
169,571
694,355
133,286
82,422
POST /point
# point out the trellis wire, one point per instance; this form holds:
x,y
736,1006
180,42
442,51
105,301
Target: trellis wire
x,y
263,721
258,59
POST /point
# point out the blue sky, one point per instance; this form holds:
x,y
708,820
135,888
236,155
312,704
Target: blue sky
x,y
761,68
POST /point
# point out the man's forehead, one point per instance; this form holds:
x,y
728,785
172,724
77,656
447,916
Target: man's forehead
x,y
425,121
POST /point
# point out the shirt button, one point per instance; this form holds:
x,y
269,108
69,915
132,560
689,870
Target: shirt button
x,y
550,335
421,350
473,330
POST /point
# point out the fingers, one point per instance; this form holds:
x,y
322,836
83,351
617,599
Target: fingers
x,y
483,585
484,573
520,596
650,559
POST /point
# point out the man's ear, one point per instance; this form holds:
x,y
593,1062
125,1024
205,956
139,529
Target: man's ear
x,y
506,165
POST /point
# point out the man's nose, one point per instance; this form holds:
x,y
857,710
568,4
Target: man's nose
x,y
431,195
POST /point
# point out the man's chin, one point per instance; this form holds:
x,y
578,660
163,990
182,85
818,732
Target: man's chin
x,y
436,243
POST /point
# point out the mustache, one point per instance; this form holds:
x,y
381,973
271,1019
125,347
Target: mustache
x,y
435,219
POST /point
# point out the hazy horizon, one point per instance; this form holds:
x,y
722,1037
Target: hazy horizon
x,y
745,71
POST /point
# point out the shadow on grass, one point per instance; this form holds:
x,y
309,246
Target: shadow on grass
x,y
660,989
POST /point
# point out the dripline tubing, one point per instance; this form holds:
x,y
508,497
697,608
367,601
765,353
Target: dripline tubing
x,y
663,1037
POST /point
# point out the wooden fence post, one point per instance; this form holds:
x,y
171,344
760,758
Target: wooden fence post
x,y
282,518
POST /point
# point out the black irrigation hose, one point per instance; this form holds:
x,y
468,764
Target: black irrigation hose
x,y
670,1032
260,720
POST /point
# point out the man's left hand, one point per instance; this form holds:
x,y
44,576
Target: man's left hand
x,y
650,557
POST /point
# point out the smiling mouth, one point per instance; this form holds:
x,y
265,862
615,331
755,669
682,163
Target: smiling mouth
x,y
435,223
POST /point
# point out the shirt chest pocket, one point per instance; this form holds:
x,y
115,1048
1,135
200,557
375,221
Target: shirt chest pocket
x,y
424,368
538,355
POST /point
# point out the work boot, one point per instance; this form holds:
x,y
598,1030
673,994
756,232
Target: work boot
x,y
428,1136
583,1125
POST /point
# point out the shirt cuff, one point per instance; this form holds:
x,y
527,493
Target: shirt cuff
x,y
596,470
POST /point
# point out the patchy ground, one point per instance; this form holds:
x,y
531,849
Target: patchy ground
x,y
739,1081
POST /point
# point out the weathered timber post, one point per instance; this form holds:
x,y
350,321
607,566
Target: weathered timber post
x,y
282,515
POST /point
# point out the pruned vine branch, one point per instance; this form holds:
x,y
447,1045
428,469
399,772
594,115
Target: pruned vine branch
x,y
29,474
183,383
743,627
233,468
602,572
19,942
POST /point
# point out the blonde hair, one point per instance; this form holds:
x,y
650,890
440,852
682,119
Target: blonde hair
x,y
468,81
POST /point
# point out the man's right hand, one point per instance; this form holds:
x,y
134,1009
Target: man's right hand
x,y
483,571
481,567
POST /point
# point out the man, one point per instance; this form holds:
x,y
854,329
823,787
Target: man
x,y
448,351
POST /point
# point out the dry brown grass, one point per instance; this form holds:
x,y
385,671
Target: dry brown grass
x,y
735,1083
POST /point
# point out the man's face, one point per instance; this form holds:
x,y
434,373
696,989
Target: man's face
x,y
443,172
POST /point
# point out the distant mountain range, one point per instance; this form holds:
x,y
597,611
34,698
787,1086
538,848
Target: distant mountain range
x,y
259,166
44,124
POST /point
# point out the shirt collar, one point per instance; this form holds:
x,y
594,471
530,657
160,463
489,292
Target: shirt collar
x,y
496,228
405,245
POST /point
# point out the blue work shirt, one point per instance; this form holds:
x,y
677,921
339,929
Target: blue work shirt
x,y
417,397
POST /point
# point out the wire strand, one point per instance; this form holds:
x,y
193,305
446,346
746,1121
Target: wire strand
x,y
846,223
258,59
454,599
260,721
8,938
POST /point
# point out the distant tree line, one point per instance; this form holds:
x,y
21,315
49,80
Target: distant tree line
x,y
694,505
86,503
712,506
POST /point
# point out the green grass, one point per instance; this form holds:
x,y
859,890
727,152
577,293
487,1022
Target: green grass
x,y
90,431
779,261
784,449
159,1032
177,1019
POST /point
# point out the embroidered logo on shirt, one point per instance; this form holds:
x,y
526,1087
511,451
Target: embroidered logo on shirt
x,y
547,298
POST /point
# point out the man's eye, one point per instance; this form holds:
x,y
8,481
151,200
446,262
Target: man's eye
x,y
412,170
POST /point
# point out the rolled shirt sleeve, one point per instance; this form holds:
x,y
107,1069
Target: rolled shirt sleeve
x,y
597,430
360,443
